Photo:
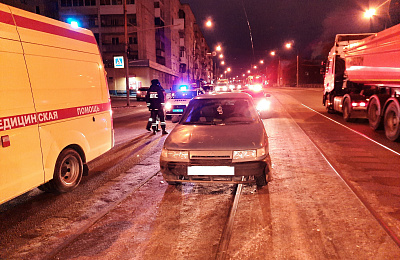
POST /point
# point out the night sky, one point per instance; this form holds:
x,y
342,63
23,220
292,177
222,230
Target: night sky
x,y
310,24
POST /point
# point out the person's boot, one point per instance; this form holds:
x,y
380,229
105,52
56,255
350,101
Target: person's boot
x,y
148,126
154,130
163,130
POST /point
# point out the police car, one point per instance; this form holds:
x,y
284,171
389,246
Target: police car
x,y
179,100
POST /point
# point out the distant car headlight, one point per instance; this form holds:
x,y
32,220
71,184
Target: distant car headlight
x,y
263,105
224,88
231,87
175,155
257,87
168,106
246,154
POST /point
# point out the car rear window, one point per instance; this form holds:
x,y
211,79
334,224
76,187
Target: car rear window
x,y
219,111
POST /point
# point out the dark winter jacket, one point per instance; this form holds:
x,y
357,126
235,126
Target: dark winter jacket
x,y
155,97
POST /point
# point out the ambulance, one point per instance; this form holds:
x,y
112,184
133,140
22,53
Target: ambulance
x,y
55,110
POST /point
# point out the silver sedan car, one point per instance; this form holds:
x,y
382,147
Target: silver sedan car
x,y
220,138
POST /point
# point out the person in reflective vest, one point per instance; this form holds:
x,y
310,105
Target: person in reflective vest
x,y
155,100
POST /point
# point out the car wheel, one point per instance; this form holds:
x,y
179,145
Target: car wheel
x,y
392,122
261,180
167,178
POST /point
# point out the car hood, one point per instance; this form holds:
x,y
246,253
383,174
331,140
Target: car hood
x,y
216,137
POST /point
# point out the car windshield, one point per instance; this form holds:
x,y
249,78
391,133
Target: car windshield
x,y
185,94
219,111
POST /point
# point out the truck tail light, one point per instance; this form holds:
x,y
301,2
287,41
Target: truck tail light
x,y
359,104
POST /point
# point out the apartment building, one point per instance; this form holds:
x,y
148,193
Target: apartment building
x,y
164,40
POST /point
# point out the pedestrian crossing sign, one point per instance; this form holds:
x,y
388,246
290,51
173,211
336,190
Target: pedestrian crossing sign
x,y
119,62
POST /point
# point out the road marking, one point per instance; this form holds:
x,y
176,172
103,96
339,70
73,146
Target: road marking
x,y
363,135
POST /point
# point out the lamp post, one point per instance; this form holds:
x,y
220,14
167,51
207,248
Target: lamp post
x,y
289,45
126,54
278,70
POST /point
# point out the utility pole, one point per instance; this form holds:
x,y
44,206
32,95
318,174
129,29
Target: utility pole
x,y
297,70
126,55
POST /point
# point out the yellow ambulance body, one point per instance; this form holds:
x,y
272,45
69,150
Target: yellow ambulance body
x,y
55,110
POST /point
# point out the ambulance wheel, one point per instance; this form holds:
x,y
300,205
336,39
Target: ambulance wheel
x,y
392,122
68,173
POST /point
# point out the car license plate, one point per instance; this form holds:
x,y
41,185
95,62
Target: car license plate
x,y
177,110
211,170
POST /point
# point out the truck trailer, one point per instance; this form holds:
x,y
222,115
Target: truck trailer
x,y
362,79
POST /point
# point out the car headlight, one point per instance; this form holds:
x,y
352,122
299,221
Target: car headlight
x,y
249,154
246,154
263,105
257,87
175,155
168,106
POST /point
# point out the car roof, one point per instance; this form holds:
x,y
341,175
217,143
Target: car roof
x,y
223,95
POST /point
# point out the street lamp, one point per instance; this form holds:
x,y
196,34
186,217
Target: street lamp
x,y
289,45
218,48
222,62
209,23
370,13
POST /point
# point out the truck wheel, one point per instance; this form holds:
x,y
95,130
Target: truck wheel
x,y
374,114
392,122
347,111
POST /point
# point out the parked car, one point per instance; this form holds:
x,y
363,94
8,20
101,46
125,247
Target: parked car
x,y
179,101
211,142
141,93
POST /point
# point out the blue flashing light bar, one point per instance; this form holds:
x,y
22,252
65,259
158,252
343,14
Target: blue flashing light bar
x,y
183,87
73,22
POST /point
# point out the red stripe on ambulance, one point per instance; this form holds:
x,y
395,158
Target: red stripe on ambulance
x,y
6,18
12,122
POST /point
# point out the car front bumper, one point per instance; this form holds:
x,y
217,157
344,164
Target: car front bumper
x,y
244,172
